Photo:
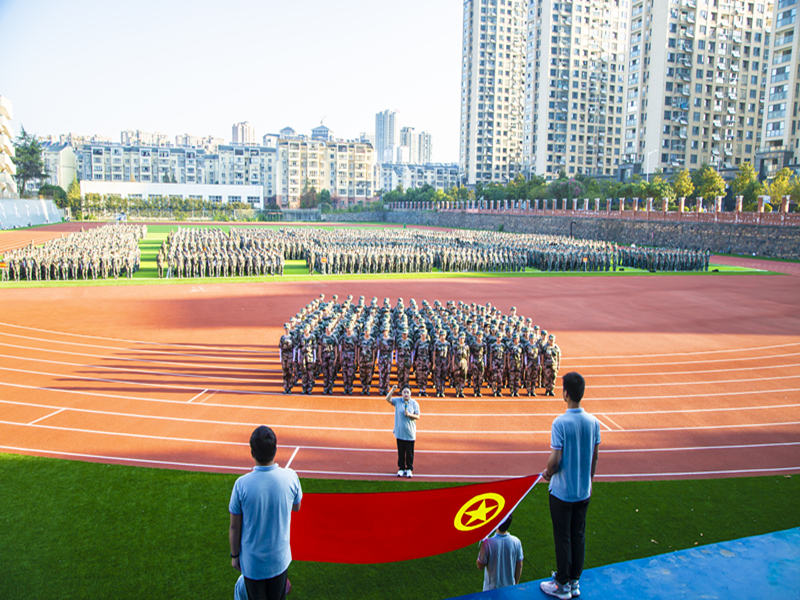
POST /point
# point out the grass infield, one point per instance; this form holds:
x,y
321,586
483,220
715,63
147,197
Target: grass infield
x,y
296,270
85,530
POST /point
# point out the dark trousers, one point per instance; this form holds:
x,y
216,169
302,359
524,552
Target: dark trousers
x,y
273,588
569,534
405,455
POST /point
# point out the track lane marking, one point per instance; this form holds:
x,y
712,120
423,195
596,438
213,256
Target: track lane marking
x,y
197,396
296,450
599,420
612,420
53,414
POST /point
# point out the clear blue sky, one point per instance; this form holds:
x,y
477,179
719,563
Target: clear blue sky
x,y
178,66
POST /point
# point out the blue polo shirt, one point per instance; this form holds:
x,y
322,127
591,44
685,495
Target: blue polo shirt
x,y
264,497
405,428
575,433
500,554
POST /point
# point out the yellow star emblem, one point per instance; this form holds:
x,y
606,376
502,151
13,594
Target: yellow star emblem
x,y
487,508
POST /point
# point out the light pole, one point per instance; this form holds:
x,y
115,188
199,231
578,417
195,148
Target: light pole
x,y
647,165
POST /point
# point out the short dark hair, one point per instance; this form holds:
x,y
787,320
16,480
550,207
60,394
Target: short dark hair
x,y
575,385
263,444
506,522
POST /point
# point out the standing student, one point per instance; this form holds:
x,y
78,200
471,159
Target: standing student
x,y
406,415
500,558
261,509
574,442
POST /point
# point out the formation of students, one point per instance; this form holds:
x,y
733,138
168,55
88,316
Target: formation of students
x,y
465,345
102,252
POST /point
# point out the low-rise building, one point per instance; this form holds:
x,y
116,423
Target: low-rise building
x,y
438,175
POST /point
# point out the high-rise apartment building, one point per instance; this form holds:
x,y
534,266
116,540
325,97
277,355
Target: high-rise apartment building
x,y
425,148
410,139
492,85
574,87
696,83
386,134
243,134
780,145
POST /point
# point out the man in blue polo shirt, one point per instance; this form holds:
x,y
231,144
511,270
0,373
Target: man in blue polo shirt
x,y
574,442
261,509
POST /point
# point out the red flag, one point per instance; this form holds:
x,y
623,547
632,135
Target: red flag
x,y
394,526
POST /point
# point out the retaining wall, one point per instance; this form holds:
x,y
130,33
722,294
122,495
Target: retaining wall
x,y
15,212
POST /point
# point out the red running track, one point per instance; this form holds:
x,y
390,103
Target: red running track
x,y
695,376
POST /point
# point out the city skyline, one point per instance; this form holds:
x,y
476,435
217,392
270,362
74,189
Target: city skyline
x,y
127,72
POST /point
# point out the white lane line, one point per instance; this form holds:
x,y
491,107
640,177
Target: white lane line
x,y
262,381
695,473
288,464
203,401
198,395
568,362
143,461
124,341
599,420
613,422
424,433
387,415
142,371
224,349
111,357
53,414
730,351
668,373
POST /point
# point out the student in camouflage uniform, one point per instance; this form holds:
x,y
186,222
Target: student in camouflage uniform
x,y
347,351
498,365
441,363
308,361
423,357
366,361
551,358
515,362
531,350
385,354
461,357
477,352
404,353
287,358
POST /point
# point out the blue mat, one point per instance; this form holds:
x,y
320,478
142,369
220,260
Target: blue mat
x,y
764,566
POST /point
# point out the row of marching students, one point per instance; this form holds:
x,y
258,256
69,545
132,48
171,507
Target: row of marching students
x,y
464,345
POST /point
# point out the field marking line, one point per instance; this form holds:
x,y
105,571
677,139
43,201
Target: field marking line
x,y
614,422
568,362
296,450
203,401
424,433
695,473
142,360
197,396
53,414
670,373
599,420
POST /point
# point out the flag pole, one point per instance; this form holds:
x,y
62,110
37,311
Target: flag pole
x,y
493,531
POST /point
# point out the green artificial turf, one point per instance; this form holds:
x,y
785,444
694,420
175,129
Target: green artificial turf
x,y
84,530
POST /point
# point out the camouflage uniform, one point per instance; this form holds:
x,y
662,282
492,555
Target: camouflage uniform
x,y
551,358
366,362
349,347
385,352
404,364
287,359
441,364
478,361
422,362
461,365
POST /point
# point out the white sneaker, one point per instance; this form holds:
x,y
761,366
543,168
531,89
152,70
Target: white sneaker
x,y
552,588
574,588
400,473
408,474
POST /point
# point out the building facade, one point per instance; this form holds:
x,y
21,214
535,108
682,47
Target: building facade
x,y
492,84
386,136
60,165
437,175
216,194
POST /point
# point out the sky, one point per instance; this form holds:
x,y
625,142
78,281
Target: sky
x,y
177,66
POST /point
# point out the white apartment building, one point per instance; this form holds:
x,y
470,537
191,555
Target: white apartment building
x,y
410,139
386,136
492,85
60,165
235,165
437,175
208,143
697,80
574,87
425,147
243,134
344,168
780,137
217,194
8,170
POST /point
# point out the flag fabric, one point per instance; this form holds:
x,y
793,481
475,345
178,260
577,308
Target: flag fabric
x,y
394,526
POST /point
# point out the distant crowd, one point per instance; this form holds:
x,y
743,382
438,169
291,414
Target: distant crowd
x,y
99,253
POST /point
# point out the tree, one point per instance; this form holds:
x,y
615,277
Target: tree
x,y
684,187
747,185
74,197
779,187
308,199
28,159
659,188
55,193
711,185
324,197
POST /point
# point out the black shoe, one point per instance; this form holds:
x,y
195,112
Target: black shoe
x,y
424,394
479,395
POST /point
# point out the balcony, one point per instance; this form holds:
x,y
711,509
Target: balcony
x,y
776,114
780,77
778,96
